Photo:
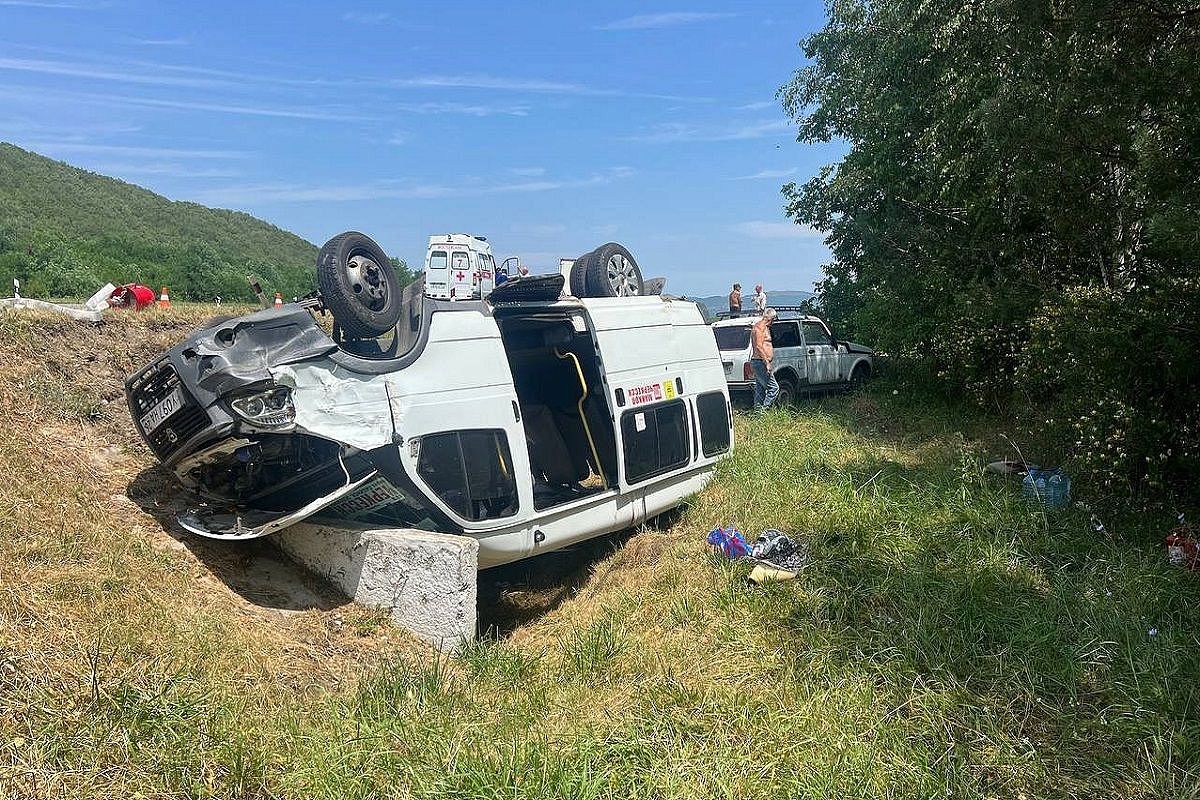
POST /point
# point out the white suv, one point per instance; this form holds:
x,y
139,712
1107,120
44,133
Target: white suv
x,y
807,355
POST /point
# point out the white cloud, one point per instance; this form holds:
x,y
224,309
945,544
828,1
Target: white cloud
x,y
92,72
367,17
685,132
255,111
500,83
668,19
177,42
392,190
766,174
759,106
131,152
162,169
772,229
471,110
66,4
398,138
325,114
534,85
528,172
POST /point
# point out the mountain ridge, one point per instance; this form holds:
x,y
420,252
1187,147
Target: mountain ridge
x,y
65,231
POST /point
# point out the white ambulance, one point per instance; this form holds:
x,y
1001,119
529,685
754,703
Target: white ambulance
x,y
459,266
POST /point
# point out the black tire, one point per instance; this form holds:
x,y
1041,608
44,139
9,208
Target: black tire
x,y
613,272
579,274
787,392
358,285
859,376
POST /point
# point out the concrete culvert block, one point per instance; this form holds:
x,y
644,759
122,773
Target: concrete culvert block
x,y
428,581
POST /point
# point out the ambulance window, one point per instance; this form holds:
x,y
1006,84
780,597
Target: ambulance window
x,y
655,440
714,423
437,259
459,260
471,471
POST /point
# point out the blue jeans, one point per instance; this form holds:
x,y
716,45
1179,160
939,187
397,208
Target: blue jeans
x,y
766,388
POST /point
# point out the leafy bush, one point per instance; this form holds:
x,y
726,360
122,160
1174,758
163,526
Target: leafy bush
x,y
1108,379
1017,220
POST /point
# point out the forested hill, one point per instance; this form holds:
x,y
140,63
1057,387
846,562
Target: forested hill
x,y
65,232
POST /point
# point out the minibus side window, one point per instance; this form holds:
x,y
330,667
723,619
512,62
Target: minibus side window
x,y
714,423
471,472
655,440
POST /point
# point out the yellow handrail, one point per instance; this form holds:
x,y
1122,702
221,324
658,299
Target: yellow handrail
x,y
583,417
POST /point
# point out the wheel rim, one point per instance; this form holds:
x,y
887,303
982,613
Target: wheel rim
x,y
367,281
622,276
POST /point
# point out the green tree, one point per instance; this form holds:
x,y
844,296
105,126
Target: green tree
x,y
1008,158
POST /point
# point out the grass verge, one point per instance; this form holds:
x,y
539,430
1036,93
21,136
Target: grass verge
x,y
946,639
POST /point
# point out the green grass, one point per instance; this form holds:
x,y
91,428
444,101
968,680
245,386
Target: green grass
x,y
946,640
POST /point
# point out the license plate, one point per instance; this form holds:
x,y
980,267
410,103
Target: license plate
x,y
165,408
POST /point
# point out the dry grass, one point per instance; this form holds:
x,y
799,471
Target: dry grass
x,y
947,640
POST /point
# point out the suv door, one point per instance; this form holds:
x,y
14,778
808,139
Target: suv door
x,y
820,354
788,347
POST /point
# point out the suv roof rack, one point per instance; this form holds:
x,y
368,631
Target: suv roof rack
x,y
799,310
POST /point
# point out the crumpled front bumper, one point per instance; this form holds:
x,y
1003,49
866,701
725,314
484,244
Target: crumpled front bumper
x,y
207,368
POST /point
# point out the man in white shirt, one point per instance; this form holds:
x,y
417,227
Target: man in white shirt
x,y
760,299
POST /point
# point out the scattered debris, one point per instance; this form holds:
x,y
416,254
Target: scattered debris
x,y
729,541
775,549
131,296
778,556
80,312
99,300
1007,467
1182,548
1049,486
763,573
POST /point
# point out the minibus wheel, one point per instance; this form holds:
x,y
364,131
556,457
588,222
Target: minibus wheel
x,y
358,285
612,272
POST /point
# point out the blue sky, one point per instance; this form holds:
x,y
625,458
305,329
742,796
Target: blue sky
x,y
548,127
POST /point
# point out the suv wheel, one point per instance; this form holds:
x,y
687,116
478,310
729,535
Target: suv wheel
x,y
787,392
579,274
858,376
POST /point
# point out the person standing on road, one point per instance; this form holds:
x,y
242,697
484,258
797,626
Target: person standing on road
x,y
760,299
766,388
735,299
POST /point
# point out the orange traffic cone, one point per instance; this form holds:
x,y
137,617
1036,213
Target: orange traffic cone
x,y
164,300
278,300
